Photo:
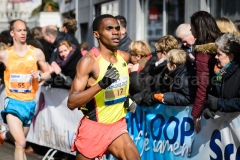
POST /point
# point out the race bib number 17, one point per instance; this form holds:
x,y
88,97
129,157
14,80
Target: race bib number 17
x,y
116,92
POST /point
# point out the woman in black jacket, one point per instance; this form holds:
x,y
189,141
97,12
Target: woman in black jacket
x,y
227,79
151,65
176,87
63,69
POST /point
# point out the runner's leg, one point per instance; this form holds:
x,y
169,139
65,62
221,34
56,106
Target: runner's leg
x,y
16,128
79,156
25,130
123,148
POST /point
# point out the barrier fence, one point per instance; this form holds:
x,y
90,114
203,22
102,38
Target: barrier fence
x,y
159,132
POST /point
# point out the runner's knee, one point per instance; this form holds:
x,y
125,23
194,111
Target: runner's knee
x,y
20,143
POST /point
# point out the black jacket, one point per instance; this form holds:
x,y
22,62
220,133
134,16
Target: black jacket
x,y
69,70
229,89
124,44
53,48
177,87
74,39
139,80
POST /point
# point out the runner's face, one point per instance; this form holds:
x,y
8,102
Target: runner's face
x,y
19,32
109,33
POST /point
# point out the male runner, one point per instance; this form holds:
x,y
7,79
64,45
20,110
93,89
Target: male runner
x,y
21,78
103,127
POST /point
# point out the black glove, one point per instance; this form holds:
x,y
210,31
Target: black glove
x,y
208,114
212,103
130,105
110,76
137,98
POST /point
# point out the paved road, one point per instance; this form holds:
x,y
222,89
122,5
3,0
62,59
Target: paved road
x,y
7,149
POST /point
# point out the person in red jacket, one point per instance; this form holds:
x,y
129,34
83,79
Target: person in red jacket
x,y
206,31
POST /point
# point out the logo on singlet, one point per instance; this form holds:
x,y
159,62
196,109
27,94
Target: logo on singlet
x,y
30,58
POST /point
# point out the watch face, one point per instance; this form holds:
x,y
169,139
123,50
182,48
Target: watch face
x,y
39,77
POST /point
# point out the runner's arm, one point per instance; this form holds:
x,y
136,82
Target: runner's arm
x,y
78,96
40,58
3,57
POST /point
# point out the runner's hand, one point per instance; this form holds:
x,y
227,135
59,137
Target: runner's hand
x,y
110,76
34,74
130,105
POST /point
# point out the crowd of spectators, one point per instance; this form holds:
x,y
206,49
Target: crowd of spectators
x,y
179,72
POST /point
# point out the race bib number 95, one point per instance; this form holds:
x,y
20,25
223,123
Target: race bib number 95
x,y
20,83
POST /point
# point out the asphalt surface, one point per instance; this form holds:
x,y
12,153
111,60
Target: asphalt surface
x,y
7,150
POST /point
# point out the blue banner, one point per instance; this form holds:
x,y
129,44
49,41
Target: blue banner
x,y
164,132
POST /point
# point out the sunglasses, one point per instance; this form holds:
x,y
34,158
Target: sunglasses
x,y
156,51
138,55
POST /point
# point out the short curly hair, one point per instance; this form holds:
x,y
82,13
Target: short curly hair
x,y
166,43
98,20
139,48
70,24
177,56
229,43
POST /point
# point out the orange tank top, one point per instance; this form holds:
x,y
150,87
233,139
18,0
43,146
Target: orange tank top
x,y
18,82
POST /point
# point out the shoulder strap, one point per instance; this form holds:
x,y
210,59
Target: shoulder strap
x,y
96,52
10,48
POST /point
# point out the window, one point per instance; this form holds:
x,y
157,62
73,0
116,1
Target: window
x,y
68,1
174,16
107,8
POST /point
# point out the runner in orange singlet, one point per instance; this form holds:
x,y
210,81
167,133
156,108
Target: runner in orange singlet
x,y
103,128
21,78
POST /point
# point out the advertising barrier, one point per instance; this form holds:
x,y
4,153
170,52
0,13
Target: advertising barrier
x,y
159,132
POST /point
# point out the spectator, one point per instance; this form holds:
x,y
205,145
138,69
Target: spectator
x,y
237,24
140,53
162,47
124,39
226,26
183,32
153,64
7,35
227,77
3,40
206,31
65,65
32,41
70,26
178,81
37,34
84,48
3,46
53,36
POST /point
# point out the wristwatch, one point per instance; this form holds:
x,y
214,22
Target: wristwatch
x,y
39,77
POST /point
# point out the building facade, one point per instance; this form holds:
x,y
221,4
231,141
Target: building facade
x,y
10,11
147,19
